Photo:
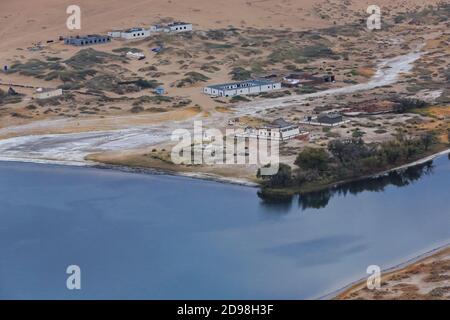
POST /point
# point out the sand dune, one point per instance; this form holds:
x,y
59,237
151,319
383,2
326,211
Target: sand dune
x,y
21,23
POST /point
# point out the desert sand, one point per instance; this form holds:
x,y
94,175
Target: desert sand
x,y
22,23
428,278
259,36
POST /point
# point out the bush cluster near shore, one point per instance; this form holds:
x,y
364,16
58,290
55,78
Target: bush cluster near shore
x,y
347,159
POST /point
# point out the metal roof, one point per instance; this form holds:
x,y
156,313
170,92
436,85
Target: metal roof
x,y
178,24
280,123
331,115
134,30
242,84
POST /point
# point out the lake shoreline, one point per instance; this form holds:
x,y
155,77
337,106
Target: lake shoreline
x,y
345,292
415,251
291,191
214,177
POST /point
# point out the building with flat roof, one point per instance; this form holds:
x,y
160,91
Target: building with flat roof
x,y
87,40
46,93
179,27
278,129
130,34
330,118
135,55
242,88
115,33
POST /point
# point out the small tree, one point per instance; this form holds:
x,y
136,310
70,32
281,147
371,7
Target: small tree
x,y
427,140
312,159
347,151
283,178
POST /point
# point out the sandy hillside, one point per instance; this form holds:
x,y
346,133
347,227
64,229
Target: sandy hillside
x,y
428,278
22,23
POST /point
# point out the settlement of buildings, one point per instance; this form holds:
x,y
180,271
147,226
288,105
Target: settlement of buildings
x,y
242,88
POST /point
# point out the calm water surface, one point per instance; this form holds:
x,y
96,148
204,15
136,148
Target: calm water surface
x,y
163,237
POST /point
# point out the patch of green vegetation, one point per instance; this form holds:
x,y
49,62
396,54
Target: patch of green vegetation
x,y
126,49
306,90
210,68
147,84
348,30
240,74
345,160
89,57
34,68
136,109
151,99
302,55
217,46
9,99
407,105
52,59
103,83
192,78
275,94
238,98
182,103
217,35
70,75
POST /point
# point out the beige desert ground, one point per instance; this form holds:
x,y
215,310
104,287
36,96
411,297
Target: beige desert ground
x,y
426,279
258,39
106,111
22,23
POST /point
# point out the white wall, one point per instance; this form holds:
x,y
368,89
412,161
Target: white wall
x,y
181,28
114,34
242,91
136,34
48,94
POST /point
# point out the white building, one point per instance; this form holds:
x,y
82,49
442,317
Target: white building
x,y
47,93
157,28
135,55
135,33
130,34
115,34
278,130
241,88
179,27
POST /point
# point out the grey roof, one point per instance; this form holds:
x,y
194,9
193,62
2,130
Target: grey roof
x,y
331,115
242,84
134,30
88,37
42,90
280,123
178,24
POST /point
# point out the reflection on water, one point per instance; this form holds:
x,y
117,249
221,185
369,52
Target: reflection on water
x,y
320,199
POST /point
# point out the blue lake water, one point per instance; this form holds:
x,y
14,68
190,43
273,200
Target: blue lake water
x,y
138,236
